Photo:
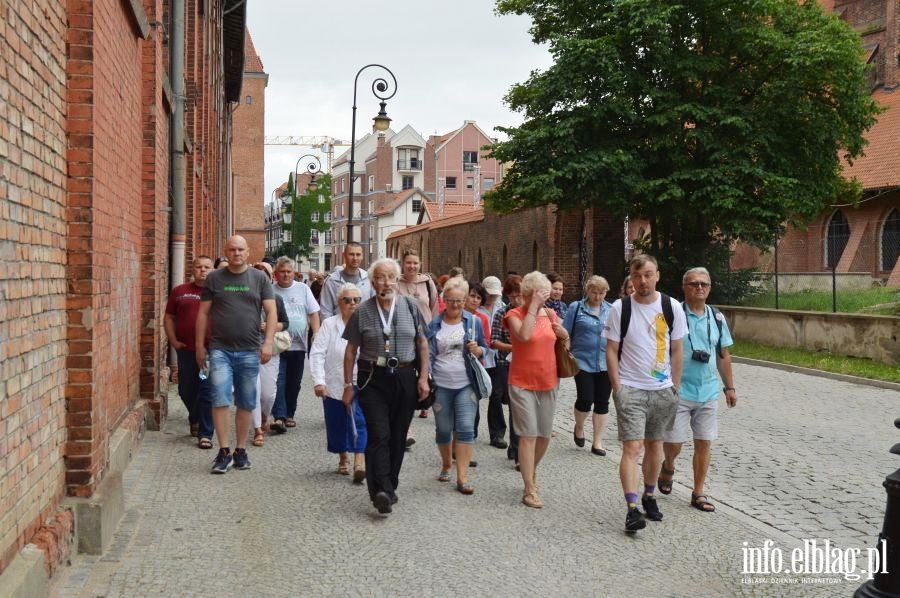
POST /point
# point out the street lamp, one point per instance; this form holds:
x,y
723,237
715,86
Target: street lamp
x,y
313,167
381,122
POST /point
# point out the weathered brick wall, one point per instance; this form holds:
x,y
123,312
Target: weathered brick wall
x,y
536,239
32,267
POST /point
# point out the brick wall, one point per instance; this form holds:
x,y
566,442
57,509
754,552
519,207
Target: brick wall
x,y
535,239
32,267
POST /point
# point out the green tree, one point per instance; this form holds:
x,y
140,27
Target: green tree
x,y
303,207
715,120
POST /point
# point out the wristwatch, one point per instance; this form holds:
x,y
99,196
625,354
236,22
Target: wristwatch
x,y
348,384
727,388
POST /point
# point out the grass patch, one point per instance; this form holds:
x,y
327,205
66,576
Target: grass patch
x,y
828,362
877,300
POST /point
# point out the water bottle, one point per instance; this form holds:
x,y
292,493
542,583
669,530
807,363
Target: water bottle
x,y
204,371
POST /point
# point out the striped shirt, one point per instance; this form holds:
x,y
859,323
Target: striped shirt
x,y
366,331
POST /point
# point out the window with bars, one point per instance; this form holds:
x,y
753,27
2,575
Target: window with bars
x,y
838,233
890,241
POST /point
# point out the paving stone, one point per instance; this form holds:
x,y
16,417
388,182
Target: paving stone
x,y
800,457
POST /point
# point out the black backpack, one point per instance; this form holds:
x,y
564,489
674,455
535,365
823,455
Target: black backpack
x,y
625,320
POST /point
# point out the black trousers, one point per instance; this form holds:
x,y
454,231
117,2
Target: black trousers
x,y
387,402
499,395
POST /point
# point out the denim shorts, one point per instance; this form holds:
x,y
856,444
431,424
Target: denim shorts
x,y
235,370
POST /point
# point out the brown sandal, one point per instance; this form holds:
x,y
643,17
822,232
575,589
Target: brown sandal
x,y
344,468
259,438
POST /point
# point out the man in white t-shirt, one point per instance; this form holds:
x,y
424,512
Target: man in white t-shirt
x,y
303,311
644,359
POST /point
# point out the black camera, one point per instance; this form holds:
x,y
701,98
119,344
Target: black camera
x,y
701,356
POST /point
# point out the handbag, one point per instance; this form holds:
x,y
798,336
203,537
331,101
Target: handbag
x,y
566,366
429,400
281,342
483,386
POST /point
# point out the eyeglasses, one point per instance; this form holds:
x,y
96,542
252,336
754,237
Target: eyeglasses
x,y
349,300
698,284
454,301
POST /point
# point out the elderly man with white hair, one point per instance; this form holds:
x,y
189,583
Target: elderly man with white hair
x,y
388,331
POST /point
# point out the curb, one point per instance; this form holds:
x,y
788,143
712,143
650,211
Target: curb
x,y
820,373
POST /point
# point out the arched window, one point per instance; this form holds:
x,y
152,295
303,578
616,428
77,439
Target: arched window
x,y
459,259
890,240
534,256
838,235
505,262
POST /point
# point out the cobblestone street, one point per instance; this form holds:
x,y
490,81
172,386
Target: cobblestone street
x,y
801,457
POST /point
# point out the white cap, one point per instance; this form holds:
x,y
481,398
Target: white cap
x,y
492,285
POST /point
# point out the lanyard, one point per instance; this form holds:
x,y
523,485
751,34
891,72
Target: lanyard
x,y
387,324
708,329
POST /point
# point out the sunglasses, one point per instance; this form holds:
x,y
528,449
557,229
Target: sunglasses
x,y
349,300
698,284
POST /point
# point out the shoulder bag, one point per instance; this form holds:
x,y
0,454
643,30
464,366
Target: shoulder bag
x,y
482,384
566,366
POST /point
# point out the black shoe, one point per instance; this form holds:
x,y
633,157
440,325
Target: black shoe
x,y
394,498
473,463
597,451
499,443
634,520
241,460
382,502
579,442
651,508
278,426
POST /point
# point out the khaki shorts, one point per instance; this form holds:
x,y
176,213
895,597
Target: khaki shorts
x,y
532,411
644,414
699,418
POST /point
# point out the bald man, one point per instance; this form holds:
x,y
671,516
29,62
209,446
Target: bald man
x,y
233,298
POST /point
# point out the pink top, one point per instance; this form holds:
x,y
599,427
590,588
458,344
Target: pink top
x,y
533,365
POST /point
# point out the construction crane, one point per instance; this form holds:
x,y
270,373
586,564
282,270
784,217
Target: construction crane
x,y
324,144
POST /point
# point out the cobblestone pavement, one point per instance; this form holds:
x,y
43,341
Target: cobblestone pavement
x,y
801,457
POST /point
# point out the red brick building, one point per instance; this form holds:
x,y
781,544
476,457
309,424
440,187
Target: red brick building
x,y
86,250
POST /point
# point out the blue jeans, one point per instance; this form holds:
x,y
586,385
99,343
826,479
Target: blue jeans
x,y
237,370
454,411
290,372
194,392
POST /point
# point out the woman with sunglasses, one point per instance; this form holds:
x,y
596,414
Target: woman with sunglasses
x,y
326,364
450,334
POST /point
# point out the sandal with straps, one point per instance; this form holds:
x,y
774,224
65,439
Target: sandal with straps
x,y
664,485
344,468
701,503
259,438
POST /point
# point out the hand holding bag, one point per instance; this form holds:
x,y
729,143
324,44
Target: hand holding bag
x,y
566,366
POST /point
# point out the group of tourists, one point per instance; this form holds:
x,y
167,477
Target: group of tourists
x,y
391,341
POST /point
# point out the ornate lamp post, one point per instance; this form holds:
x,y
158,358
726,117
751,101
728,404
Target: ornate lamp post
x,y
313,167
383,90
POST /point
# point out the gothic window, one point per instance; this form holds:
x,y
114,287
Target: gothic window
x,y
890,240
838,233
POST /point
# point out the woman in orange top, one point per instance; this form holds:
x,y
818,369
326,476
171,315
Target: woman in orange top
x,y
533,381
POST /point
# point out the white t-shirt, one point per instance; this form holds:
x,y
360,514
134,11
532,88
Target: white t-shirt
x,y
449,369
646,360
299,303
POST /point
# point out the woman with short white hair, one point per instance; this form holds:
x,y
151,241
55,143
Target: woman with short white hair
x,y
326,365
533,379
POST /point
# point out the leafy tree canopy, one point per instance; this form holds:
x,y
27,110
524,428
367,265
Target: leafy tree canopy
x,y
715,120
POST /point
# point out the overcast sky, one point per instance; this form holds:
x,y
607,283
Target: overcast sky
x,y
453,61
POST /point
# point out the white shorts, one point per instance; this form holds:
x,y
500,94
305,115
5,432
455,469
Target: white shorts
x,y
700,418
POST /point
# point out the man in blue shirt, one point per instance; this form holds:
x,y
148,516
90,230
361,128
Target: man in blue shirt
x,y
706,357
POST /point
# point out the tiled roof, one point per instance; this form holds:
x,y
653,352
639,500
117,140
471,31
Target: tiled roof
x,y
472,215
880,167
450,209
252,61
397,201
